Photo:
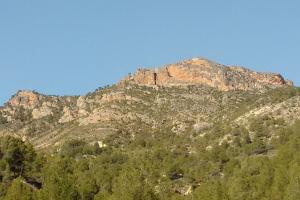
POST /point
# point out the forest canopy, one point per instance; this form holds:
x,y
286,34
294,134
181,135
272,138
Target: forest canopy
x,y
146,169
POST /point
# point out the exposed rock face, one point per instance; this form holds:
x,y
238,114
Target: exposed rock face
x,y
27,99
68,115
204,72
41,112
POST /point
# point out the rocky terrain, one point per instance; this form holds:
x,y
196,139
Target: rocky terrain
x,y
191,96
204,72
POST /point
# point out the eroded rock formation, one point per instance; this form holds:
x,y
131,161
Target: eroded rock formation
x,y
25,98
199,71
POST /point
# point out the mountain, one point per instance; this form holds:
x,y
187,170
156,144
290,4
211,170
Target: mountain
x,y
190,130
193,94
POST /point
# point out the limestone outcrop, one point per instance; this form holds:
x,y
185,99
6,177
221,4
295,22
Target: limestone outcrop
x,y
199,71
25,98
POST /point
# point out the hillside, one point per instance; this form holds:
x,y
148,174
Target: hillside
x,y
188,130
187,96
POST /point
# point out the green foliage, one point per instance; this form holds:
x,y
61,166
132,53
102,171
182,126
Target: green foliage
x,y
3,120
76,147
212,190
19,190
17,158
22,114
132,184
58,180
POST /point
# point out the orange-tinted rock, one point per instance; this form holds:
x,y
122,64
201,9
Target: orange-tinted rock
x,y
204,72
27,99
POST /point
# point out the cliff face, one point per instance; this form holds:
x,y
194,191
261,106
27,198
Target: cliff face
x,y
27,99
204,72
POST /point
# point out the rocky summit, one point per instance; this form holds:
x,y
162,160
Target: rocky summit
x,y
199,71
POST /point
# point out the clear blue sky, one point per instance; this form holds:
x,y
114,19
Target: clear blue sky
x,y
74,46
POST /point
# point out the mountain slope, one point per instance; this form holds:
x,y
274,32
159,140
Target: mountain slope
x,y
186,135
189,96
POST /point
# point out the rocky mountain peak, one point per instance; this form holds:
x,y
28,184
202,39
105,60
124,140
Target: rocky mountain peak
x,y
26,98
200,71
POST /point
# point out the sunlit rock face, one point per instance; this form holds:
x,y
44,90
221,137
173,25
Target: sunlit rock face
x,y
24,98
199,71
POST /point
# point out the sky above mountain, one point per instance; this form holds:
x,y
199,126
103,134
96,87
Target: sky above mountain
x,y
72,47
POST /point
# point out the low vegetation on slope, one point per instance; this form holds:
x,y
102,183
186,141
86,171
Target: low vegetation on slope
x,y
217,160
47,121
